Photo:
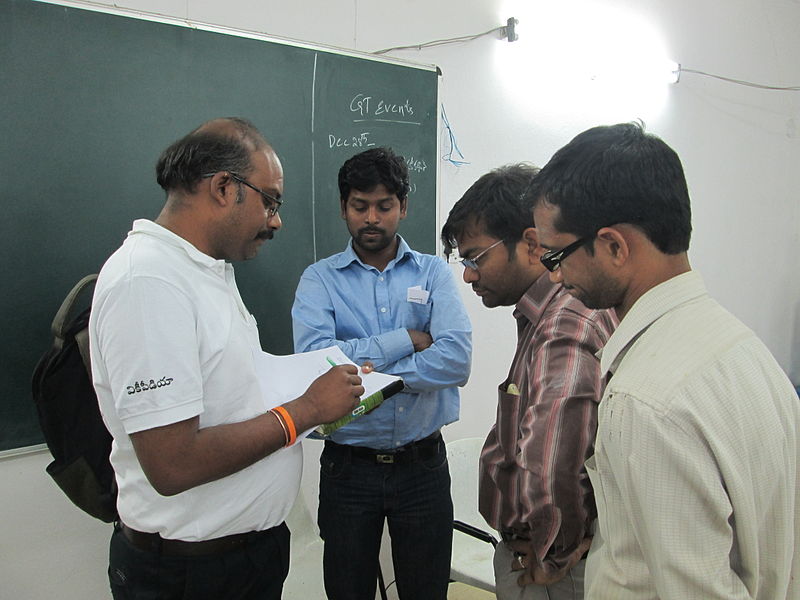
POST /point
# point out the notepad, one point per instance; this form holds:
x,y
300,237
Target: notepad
x,y
284,378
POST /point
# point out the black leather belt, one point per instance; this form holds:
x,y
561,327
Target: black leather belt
x,y
152,542
420,449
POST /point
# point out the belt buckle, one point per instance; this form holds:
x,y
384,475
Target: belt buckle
x,y
384,459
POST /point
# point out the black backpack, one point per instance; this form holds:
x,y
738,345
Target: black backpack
x,y
70,417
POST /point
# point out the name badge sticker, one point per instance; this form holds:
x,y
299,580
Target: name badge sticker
x,y
417,295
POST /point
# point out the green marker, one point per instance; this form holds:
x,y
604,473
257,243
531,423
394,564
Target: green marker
x,y
365,405
330,361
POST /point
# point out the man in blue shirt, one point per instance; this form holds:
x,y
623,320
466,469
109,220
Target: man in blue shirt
x,y
383,302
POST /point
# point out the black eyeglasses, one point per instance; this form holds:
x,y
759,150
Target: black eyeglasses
x,y
271,204
472,263
552,259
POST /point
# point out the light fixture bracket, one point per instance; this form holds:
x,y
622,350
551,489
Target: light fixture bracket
x,y
509,31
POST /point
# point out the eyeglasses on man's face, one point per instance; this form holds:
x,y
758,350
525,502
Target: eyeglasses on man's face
x,y
552,259
472,263
271,204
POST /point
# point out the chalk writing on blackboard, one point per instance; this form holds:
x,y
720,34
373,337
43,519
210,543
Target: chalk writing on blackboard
x,y
416,164
354,141
369,108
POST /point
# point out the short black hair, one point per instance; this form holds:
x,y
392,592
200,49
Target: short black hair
x,y
499,201
619,174
218,145
373,167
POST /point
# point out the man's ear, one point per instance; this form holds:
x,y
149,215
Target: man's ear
x,y
614,244
531,238
221,190
343,207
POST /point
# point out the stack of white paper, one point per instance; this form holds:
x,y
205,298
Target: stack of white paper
x,y
284,378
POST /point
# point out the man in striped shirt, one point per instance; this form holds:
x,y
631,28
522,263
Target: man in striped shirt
x,y
533,485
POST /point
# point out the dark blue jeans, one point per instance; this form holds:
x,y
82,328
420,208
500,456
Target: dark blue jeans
x,y
253,572
357,493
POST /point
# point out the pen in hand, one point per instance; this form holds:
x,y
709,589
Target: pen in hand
x,y
367,367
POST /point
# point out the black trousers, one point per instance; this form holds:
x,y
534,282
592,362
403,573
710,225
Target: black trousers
x,y
255,571
359,492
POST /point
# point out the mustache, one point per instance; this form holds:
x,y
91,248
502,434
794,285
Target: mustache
x,y
268,234
371,230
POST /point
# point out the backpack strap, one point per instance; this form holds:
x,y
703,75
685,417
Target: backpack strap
x,y
82,339
60,323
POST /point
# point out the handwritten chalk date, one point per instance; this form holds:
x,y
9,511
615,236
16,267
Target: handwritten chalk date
x,y
355,141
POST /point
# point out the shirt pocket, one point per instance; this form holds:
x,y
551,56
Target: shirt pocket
x,y
507,431
417,316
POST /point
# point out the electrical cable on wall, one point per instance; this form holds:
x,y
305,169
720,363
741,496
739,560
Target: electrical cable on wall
x,y
454,156
761,86
448,156
507,31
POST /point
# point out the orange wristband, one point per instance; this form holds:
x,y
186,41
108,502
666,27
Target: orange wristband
x,y
287,418
283,426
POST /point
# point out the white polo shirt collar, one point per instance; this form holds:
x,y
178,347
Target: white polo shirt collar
x,y
147,227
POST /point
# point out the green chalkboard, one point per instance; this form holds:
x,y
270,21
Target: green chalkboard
x,y
90,99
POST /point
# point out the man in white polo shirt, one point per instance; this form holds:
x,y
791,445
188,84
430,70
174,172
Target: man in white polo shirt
x,y
206,474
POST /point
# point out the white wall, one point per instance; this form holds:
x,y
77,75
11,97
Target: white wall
x,y
522,101
48,548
